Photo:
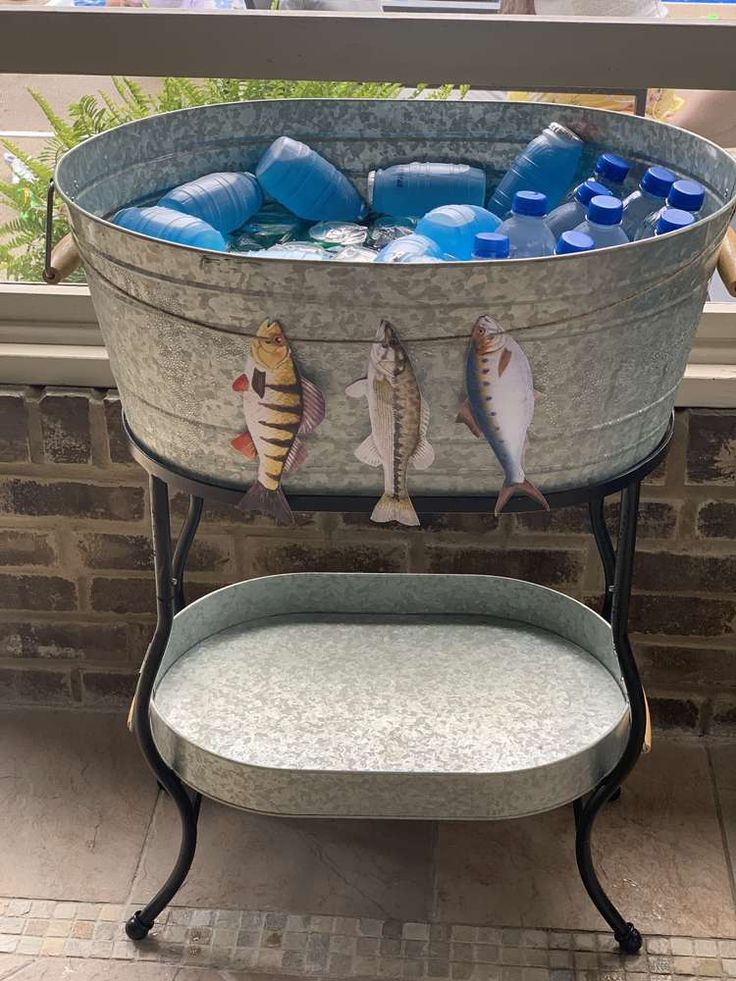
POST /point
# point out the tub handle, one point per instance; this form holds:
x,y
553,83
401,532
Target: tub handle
x,y
63,258
727,261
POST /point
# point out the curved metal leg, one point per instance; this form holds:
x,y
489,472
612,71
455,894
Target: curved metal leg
x,y
181,553
605,551
167,591
626,934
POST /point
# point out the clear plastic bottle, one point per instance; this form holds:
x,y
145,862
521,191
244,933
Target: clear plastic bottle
x,y
352,253
491,245
571,242
385,230
171,226
413,189
293,250
419,260
410,245
672,220
454,227
307,184
685,195
527,232
225,201
548,165
603,222
338,233
569,215
611,171
650,196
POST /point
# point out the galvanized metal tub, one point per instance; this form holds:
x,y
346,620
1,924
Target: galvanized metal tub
x,y
606,334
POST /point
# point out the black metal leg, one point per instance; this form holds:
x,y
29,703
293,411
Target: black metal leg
x,y
626,934
168,593
605,550
181,553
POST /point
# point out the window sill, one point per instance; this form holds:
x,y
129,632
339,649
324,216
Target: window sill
x,y
49,336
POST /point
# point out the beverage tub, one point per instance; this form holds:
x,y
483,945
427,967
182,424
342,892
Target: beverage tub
x,y
596,344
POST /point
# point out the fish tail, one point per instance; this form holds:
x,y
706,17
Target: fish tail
x,y
394,508
525,487
272,503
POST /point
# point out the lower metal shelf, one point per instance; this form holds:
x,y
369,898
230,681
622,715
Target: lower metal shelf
x,y
390,696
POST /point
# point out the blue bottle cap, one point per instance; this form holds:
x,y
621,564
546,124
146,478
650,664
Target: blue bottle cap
x,y
491,245
605,210
574,242
612,167
688,195
529,203
672,219
657,181
585,192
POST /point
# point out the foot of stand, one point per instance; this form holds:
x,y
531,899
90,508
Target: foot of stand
x,y
629,940
135,928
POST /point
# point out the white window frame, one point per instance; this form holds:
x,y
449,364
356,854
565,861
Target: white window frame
x,y
49,335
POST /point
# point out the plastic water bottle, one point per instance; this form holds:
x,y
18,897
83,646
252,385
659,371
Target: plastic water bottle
x,y
352,253
171,226
491,245
338,233
569,215
307,184
410,245
293,250
611,171
548,164
672,220
685,195
385,230
527,232
419,260
454,227
650,196
225,201
603,222
570,242
415,188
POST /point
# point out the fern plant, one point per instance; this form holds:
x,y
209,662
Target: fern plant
x,y
22,236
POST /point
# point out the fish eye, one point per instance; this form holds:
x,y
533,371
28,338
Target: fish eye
x,y
278,339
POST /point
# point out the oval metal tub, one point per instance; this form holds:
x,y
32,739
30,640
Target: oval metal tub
x,y
598,342
390,696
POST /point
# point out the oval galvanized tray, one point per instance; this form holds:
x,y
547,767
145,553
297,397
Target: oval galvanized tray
x,y
385,696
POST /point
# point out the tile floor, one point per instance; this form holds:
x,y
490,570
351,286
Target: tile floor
x,y
87,837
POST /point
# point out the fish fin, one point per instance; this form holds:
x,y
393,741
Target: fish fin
x,y
259,382
358,389
423,456
538,395
368,453
271,503
244,444
466,415
526,487
503,361
313,410
241,384
391,508
297,456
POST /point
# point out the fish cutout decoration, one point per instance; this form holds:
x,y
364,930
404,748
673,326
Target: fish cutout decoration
x,y
399,420
280,408
500,404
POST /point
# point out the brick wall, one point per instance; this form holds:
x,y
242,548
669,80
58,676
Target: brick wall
x,y
76,587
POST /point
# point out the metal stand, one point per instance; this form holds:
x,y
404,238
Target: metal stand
x,y
617,566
